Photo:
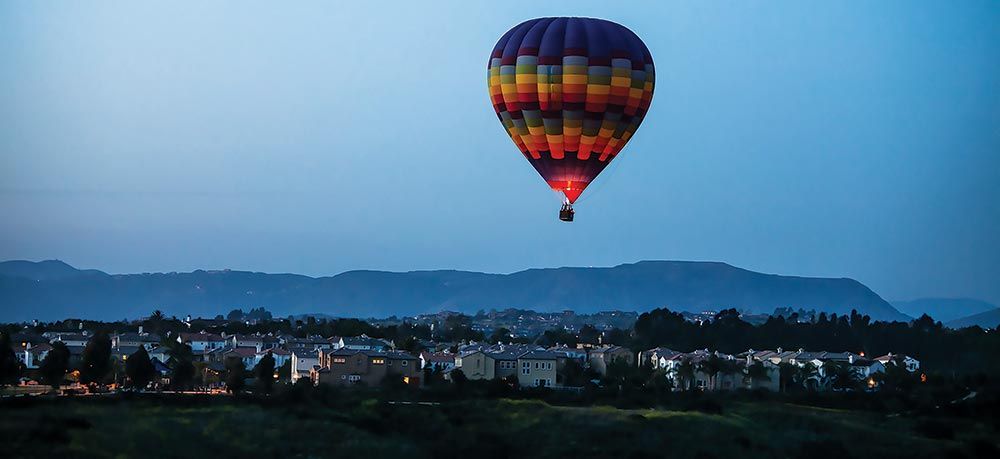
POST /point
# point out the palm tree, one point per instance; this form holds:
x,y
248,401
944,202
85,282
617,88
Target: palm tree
x,y
685,373
755,372
805,373
711,366
839,375
786,374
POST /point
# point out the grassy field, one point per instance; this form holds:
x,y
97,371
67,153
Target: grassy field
x,y
221,427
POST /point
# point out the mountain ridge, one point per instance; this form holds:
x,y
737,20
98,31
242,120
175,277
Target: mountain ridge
x,y
986,319
640,286
943,309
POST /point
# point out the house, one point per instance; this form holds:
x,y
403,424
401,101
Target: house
x,y
347,366
70,339
498,361
32,355
122,353
303,362
161,353
728,376
475,364
564,356
729,370
658,358
601,357
536,369
504,358
75,356
770,380
442,361
280,356
571,353
147,340
864,369
363,343
311,342
202,341
247,355
911,364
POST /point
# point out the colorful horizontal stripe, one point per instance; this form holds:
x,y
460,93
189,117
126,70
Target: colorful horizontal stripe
x,y
570,92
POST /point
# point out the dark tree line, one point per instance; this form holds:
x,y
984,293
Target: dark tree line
x,y
10,366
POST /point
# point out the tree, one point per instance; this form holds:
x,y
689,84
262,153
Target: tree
x,y
786,375
589,334
557,336
265,373
458,377
182,369
10,367
805,375
711,366
155,321
139,369
500,335
412,345
96,359
755,372
55,365
685,374
839,375
285,371
573,374
235,375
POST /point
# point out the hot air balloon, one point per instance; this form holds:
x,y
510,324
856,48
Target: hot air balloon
x,y
570,92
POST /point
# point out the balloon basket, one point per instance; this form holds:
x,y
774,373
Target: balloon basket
x,y
566,213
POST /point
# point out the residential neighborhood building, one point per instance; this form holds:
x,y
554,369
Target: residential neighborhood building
x,y
136,339
31,355
347,366
363,343
911,364
536,369
601,357
304,361
202,341
442,361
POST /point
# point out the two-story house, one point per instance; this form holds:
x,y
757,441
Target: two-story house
x,y
304,360
352,366
536,369
601,357
202,341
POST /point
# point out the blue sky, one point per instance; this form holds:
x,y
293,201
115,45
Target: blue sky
x,y
847,139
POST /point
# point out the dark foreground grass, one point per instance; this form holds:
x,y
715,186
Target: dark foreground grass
x,y
220,427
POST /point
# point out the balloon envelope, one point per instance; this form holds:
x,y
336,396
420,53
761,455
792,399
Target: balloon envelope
x,y
570,92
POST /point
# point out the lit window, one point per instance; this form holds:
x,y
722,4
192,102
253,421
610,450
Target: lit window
x,y
339,360
378,361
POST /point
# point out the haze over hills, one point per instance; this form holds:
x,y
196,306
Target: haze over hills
x,y
53,290
943,309
988,319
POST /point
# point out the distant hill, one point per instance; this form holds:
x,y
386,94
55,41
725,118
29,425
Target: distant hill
x,y
679,285
42,270
988,319
943,309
